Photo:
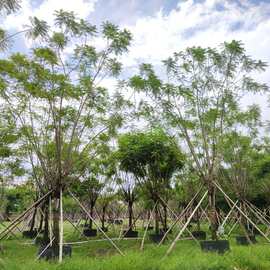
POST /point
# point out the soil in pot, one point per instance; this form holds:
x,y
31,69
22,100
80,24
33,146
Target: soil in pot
x,y
156,238
219,246
90,232
200,235
242,240
53,253
130,234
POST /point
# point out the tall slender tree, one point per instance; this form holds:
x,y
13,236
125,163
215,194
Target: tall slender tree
x,y
200,102
56,97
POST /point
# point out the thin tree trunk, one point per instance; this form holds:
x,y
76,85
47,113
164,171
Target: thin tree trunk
x,y
212,211
103,217
56,218
130,215
165,217
156,219
46,237
32,225
91,213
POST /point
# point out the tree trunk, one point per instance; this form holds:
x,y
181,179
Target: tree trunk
x,y
165,216
91,214
56,218
243,224
198,220
103,217
41,218
156,220
212,211
32,224
130,214
46,237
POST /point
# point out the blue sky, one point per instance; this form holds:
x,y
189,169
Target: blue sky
x,y
161,27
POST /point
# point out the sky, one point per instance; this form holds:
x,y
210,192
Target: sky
x,y
161,27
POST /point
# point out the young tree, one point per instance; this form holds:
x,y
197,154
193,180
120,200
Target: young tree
x,y
153,157
200,102
128,192
56,97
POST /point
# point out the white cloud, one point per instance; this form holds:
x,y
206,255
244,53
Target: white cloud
x,y
45,11
203,24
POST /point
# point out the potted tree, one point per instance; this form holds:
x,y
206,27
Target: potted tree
x,y
152,157
56,115
129,193
200,101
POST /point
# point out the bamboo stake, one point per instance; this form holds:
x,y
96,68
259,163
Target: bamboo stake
x,y
147,225
181,224
241,212
186,224
180,216
89,216
45,249
257,213
232,228
228,215
61,232
18,219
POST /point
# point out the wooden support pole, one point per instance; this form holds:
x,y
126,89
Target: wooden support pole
x,y
228,215
89,216
186,224
180,216
147,225
181,224
19,218
242,213
61,231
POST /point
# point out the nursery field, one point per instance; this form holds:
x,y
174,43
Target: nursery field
x,y
18,254
128,144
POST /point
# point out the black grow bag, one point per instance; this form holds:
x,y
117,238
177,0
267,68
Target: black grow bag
x,y
200,235
130,234
30,234
219,246
149,228
53,253
242,240
156,238
90,232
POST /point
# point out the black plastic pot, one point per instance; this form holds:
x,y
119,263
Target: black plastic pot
x,y
149,228
156,238
242,240
200,235
30,234
90,232
219,246
51,253
130,234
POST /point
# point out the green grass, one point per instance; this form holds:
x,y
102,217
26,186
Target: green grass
x,y
17,255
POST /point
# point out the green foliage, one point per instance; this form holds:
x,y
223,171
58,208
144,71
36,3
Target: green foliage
x,y
154,155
